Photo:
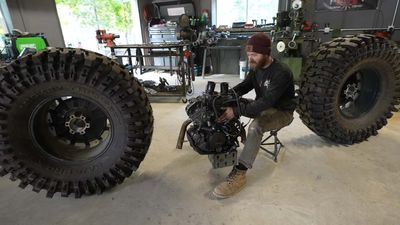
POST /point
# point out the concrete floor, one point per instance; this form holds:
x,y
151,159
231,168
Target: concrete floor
x,y
314,182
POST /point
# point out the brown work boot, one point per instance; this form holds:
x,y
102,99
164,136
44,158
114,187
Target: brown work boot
x,y
234,183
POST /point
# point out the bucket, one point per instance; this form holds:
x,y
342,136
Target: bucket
x,y
197,70
242,69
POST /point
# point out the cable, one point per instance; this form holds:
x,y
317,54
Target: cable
x,y
213,105
235,126
237,102
241,127
395,12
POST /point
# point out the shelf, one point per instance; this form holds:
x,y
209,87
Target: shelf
x,y
154,46
149,56
160,67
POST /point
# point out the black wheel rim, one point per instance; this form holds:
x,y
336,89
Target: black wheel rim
x,y
71,128
360,92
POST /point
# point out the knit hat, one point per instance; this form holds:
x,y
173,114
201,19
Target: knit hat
x,y
259,43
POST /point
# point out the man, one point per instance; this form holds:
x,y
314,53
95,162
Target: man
x,y
272,109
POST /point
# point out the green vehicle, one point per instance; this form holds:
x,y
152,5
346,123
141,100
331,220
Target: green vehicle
x,y
346,60
76,122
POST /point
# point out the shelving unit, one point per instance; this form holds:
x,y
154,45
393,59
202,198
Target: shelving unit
x,y
137,52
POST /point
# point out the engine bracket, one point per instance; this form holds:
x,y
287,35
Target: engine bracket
x,y
223,159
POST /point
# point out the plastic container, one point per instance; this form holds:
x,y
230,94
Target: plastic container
x,y
197,70
242,69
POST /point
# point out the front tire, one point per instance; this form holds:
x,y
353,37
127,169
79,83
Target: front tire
x,y
71,121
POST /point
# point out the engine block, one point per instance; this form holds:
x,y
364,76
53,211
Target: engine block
x,y
206,135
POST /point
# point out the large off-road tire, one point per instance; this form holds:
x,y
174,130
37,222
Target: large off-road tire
x,y
349,88
71,121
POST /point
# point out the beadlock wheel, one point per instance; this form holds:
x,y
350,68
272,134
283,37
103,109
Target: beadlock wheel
x,y
71,121
350,87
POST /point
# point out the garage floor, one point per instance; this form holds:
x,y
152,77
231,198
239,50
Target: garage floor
x,y
314,182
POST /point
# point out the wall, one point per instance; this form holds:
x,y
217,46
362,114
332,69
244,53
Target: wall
x,y
357,18
143,24
37,16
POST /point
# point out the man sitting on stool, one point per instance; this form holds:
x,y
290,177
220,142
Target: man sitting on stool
x,y
272,109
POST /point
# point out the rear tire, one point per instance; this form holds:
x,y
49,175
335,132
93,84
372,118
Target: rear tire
x,y
350,87
71,121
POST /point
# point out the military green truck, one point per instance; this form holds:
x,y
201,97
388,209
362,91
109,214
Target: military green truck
x,y
76,122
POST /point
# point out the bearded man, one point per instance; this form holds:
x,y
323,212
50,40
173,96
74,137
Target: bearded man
x,y
272,108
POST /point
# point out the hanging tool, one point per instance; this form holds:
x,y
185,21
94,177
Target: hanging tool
x,y
104,37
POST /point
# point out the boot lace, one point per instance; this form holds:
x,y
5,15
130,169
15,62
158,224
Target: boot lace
x,y
232,176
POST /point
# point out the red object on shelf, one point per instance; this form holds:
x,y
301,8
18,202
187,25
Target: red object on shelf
x,y
382,34
187,54
103,37
347,2
307,26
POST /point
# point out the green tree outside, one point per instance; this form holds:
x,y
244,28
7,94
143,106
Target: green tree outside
x,y
103,14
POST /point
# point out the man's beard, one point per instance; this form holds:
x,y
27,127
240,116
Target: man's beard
x,y
263,62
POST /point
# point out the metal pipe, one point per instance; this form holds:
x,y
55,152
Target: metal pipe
x,y
203,69
247,10
395,12
361,29
368,29
181,136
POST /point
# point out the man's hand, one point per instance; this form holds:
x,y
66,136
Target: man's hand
x,y
227,115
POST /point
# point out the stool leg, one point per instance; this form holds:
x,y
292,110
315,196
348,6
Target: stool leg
x,y
204,62
276,150
276,142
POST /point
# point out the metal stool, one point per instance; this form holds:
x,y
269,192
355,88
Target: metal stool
x,y
276,143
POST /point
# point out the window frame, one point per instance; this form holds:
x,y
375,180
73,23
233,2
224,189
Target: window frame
x,y
214,11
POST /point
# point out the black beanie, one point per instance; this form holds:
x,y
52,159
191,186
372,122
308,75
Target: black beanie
x,y
259,43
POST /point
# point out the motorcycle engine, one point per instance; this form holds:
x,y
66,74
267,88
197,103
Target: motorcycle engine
x,y
206,135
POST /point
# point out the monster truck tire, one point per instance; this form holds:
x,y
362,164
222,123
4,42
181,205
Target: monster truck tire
x,y
349,88
71,121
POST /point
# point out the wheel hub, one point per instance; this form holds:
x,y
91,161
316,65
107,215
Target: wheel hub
x,y
77,124
359,93
352,91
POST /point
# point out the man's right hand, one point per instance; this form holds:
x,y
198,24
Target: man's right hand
x,y
227,115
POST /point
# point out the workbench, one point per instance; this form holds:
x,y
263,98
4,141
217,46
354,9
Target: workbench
x,y
183,69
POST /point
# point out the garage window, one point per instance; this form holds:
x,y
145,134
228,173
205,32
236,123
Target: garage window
x,y
80,19
228,11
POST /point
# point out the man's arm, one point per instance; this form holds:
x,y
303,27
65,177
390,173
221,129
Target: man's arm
x,y
246,85
277,87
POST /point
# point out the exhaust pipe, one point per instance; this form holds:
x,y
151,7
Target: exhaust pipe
x,y
181,136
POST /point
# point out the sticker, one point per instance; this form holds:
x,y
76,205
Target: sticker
x,y
176,11
267,83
